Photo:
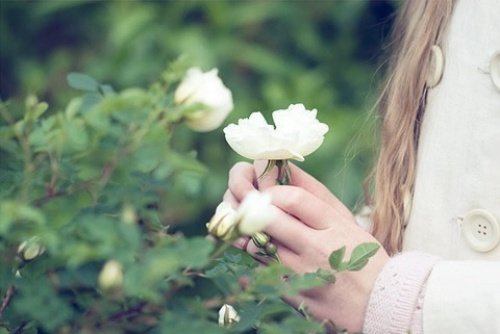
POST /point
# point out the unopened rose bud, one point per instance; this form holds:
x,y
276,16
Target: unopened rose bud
x,y
271,249
260,239
30,249
228,315
222,223
111,275
128,215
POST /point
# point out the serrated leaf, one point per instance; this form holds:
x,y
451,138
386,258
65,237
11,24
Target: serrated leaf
x,y
82,81
356,266
326,275
361,254
335,259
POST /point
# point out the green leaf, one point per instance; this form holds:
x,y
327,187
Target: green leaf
x,y
216,271
82,81
12,211
336,258
73,108
34,112
77,136
249,314
38,301
107,90
361,254
326,275
180,322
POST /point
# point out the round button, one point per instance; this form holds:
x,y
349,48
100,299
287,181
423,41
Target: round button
x,y
495,69
481,230
436,67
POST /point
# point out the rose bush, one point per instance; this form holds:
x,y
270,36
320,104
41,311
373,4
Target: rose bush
x,y
93,204
208,90
297,134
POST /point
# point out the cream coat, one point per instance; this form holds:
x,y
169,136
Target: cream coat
x,y
459,171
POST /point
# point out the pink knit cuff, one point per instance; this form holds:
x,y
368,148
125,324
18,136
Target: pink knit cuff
x,y
395,296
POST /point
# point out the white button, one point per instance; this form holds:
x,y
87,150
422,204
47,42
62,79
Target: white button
x,y
495,69
481,230
436,67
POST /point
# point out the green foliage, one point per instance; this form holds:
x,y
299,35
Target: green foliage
x,y
324,54
85,244
114,174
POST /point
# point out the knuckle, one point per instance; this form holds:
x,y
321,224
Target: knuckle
x,y
238,168
293,198
236,173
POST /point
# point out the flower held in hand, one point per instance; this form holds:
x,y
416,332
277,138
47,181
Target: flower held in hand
x,y
297,134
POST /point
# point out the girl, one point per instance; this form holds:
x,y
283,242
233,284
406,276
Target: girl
x,y
435,207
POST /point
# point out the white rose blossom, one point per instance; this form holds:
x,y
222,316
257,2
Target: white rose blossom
x,y
209,90
252,216
228,315
223,222
297,134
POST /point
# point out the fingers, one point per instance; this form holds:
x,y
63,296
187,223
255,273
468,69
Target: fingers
x,y
229,198
306,207
309,183
300,179
287,230
268,180
241,180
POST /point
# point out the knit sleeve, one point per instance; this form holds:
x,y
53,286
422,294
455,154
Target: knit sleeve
x,y
395,304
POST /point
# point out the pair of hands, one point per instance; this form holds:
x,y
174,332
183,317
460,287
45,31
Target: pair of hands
x,y
311,223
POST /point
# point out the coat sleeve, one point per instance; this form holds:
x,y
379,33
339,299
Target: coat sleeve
x,y
463,297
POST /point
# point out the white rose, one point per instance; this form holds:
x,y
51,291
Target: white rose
x,y
228,315
207,89
254,214
223,222
298,133
30,249
111,275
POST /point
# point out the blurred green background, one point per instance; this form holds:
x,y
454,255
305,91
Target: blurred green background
x,y
325,54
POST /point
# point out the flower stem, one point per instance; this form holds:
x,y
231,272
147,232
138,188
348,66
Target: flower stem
x,y
269,167
284,172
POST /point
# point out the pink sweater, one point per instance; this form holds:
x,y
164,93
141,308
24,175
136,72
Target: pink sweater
x,y
396,301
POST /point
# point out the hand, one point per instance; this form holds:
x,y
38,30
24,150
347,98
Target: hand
x,y
310,224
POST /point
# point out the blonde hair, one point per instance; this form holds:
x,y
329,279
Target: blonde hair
x,y
419,26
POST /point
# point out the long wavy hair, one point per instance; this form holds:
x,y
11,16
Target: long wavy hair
x,y
419,25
